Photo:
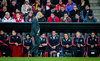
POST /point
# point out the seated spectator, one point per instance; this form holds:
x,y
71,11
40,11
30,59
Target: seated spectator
x,y
74,11
69,6
53,43
35,5
79,44
4,3
4,9
29,18
48,5
7,18
65,18
28,44
84,13
15,44
43,45
42,19
4,48
77,18
18,18
17,11
13,7
93,44
24,8
53,18
62,12
90,18
39,9
82,4
58,6
66,43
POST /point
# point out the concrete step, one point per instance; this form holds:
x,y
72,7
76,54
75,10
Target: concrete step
x,y
94,4
92,1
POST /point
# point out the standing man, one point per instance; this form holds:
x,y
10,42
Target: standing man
x,y
35,32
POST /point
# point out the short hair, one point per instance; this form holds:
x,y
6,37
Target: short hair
x,y
7,13
28,34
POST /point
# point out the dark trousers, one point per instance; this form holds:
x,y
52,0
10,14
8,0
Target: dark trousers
x,y
5,51
70,49
78,53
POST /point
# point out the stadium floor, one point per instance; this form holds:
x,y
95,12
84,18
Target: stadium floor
x,y
50,59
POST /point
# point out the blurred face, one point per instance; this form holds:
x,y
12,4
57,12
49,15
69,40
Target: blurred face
x,y
27,36
13,3
4,9
77,16
78,34
48,2
60,1
30,14
1,32
54,33
3,2
87,7
39,9
92,35
43,35
52,16
7,15
66,36
17,10
65,15
18,15
26,3
82,1
75,7
90,17
39,16
13,32
62,9
69,1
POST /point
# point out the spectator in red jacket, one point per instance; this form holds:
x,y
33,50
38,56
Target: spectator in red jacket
x,y
18,18
59,5
53,18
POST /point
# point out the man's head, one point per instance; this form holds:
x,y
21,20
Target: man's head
x,y
1,32
48,2
62,8
18,15
66,36
75,7
52,15
70,1
13,2
92,34
65,15
90,16
28,36
7,14
4,8
39,15
39,8
77,15
78,34
14,32
53,33
87,7
60,2
27,2
43,35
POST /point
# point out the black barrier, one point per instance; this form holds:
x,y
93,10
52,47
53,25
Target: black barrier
x,y
48,27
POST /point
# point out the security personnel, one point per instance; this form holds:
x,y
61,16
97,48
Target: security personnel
x,y
5,51
28,44
93,43
53,42
66,43
78,43
15,44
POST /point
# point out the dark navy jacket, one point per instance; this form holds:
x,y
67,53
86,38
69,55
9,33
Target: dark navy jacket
x,y
53,41
65,42
43,40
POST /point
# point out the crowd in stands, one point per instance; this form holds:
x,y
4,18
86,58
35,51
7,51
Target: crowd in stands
x,y
51,10
51,44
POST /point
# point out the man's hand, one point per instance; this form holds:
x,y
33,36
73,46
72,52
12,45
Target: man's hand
x,y
27,47
16,44
67,46
96,45
44,44
92,46
79,46
54,47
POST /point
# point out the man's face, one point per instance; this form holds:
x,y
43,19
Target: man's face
x,y
13,3
90,17
27,36
62,9
48,2
77,16
60,2
18,15
39,9
75,7
26,3
53,33
52,16
43,35
66,36
13,32
87,7
65,15
4,9
69,1
7,15
92,35
1,32
78,34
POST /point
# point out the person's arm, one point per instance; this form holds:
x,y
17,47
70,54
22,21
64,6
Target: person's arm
x,y
62,42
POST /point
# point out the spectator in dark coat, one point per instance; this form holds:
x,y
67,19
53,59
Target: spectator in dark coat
x,y
62,12
77,18
42,19
2,13
74,11
90,18
29,18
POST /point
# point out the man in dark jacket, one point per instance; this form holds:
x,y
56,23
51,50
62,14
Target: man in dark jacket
x,y
35,32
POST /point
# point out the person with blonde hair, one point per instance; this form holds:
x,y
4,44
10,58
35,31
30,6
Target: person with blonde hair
x,y
35,32
3,3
